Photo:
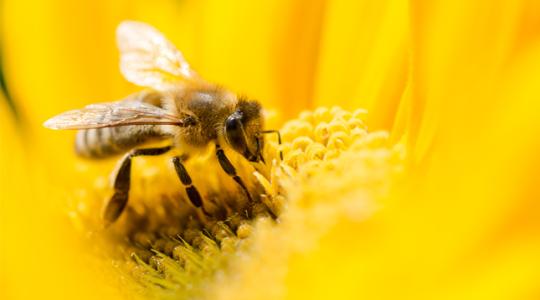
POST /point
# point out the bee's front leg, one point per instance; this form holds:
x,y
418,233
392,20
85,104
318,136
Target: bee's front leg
x,y
227,166
118,201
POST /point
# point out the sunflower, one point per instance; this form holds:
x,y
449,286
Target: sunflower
x,y
410,140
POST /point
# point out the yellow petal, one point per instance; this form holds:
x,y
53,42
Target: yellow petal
x,y
11,189
40,255
266,49
363,60
248,47
459,52
61,55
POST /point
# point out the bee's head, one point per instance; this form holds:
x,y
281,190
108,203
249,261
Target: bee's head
x,y
243,130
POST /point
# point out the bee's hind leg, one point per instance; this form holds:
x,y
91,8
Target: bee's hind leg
x,y
227,166
118,201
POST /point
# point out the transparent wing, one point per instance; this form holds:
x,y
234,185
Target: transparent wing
x,y
148,59
121,113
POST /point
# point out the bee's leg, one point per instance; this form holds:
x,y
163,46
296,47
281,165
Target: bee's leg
x,y
118,201
192,192
230,170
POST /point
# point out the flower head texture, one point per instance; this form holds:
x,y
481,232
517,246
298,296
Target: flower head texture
x,y
409,140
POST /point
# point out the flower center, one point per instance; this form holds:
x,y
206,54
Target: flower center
x,y
169,247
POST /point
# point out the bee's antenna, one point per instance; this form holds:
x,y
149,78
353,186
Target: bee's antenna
x,y
279,140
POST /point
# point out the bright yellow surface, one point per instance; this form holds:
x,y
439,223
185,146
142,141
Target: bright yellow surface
x,y
456,81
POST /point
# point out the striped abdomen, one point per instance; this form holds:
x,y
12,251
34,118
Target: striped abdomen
x,y
104,142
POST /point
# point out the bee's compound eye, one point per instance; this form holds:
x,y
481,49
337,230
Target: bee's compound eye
x,y
232,123
234,133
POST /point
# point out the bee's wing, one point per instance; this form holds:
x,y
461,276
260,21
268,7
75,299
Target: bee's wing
x,y
148,59
113,114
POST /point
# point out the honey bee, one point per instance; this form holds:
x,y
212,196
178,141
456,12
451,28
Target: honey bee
x,y
178,105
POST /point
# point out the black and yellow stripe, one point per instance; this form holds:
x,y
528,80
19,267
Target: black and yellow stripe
x,y
108,141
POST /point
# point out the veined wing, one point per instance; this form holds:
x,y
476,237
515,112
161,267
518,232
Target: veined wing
x,y
121,113
148,59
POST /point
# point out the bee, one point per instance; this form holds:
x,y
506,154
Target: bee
x,y
178,105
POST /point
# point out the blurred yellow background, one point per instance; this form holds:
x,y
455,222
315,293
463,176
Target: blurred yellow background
x,y
456,81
